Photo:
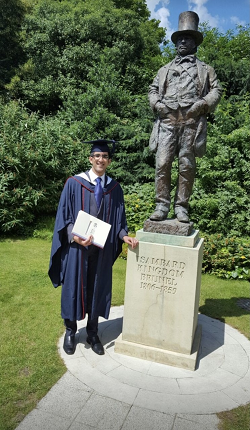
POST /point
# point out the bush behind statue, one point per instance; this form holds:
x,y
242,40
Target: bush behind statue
x,y
37,154
226,256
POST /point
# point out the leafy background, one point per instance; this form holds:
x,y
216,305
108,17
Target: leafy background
x,y
73,71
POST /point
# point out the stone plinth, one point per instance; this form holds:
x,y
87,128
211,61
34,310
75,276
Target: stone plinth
x,y
169,226
162,299
168,239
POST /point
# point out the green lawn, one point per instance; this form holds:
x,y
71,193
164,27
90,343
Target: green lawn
x,y
31,326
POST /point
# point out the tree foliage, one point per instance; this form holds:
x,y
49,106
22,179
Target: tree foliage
x,y
230,56
221,200
80,71
70,45
11,53
36,156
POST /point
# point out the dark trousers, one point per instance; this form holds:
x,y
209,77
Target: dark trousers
x,y
92,323
92,326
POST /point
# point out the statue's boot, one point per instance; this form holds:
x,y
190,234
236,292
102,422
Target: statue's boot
x,y
182,216
159,215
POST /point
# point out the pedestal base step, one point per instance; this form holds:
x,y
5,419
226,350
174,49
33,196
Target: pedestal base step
x,y
163,356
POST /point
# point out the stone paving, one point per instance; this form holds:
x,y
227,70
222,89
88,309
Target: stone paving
x,y
119,392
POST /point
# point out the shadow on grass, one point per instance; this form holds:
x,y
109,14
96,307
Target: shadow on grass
x,y
41,228
221,308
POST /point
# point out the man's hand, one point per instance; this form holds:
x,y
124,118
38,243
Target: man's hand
x,y
198,108
162,109
83,242
132,241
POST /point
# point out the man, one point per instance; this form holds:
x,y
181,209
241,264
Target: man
x,y
182,93
83,269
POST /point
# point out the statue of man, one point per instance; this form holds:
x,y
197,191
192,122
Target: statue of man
x,y
182,93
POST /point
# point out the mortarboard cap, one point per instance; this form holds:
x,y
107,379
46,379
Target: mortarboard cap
x,y
101,145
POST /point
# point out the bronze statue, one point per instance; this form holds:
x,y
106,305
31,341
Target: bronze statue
x,y
182,93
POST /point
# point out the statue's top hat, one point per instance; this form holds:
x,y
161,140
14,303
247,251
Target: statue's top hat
x,y
188,24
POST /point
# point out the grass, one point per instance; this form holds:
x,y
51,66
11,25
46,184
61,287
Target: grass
x,y
237,419
218,299
31,326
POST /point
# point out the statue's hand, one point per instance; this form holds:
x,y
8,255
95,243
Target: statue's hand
x,y
162,109
198,108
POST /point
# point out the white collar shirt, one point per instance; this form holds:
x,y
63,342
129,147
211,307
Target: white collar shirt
x,y
93,176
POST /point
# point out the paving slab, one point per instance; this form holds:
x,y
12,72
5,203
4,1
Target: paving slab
x,y
40,420
145,419
120,392
66,403
103,413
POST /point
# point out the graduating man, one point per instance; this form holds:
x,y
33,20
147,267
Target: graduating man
x,y
83,269
182,93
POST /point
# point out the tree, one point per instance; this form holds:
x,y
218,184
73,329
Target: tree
x,y
65,43
220,202
229,54
11,54
86,76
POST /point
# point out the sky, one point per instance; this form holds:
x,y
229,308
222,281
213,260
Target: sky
x,y
222,14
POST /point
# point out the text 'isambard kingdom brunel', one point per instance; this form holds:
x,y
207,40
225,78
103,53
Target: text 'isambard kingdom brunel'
x,y
159,274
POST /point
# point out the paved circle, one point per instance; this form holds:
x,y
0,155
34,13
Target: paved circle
x,y
220,382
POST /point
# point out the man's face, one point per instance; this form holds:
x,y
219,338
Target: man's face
x,y
185,45
100,161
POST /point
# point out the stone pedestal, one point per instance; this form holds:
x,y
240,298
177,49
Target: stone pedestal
x,y
162,299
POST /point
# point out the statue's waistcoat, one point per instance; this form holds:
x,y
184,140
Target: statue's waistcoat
x,y
181,86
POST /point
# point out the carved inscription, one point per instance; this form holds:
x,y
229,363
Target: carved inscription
x,y
157,274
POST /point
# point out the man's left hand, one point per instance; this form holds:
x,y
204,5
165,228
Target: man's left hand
x,y
198,108
132,241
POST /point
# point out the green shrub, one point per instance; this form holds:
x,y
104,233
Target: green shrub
x,y
226,257
37,154
220,202
139,204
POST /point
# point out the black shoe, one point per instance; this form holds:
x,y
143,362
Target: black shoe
x,y
95,344
69,344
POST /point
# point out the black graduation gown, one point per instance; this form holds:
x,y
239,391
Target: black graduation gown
x,y
69,261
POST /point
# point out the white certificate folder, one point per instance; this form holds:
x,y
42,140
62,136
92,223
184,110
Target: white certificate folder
x,y
87,225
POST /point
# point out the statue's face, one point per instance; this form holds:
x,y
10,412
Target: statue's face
x,y
185,45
